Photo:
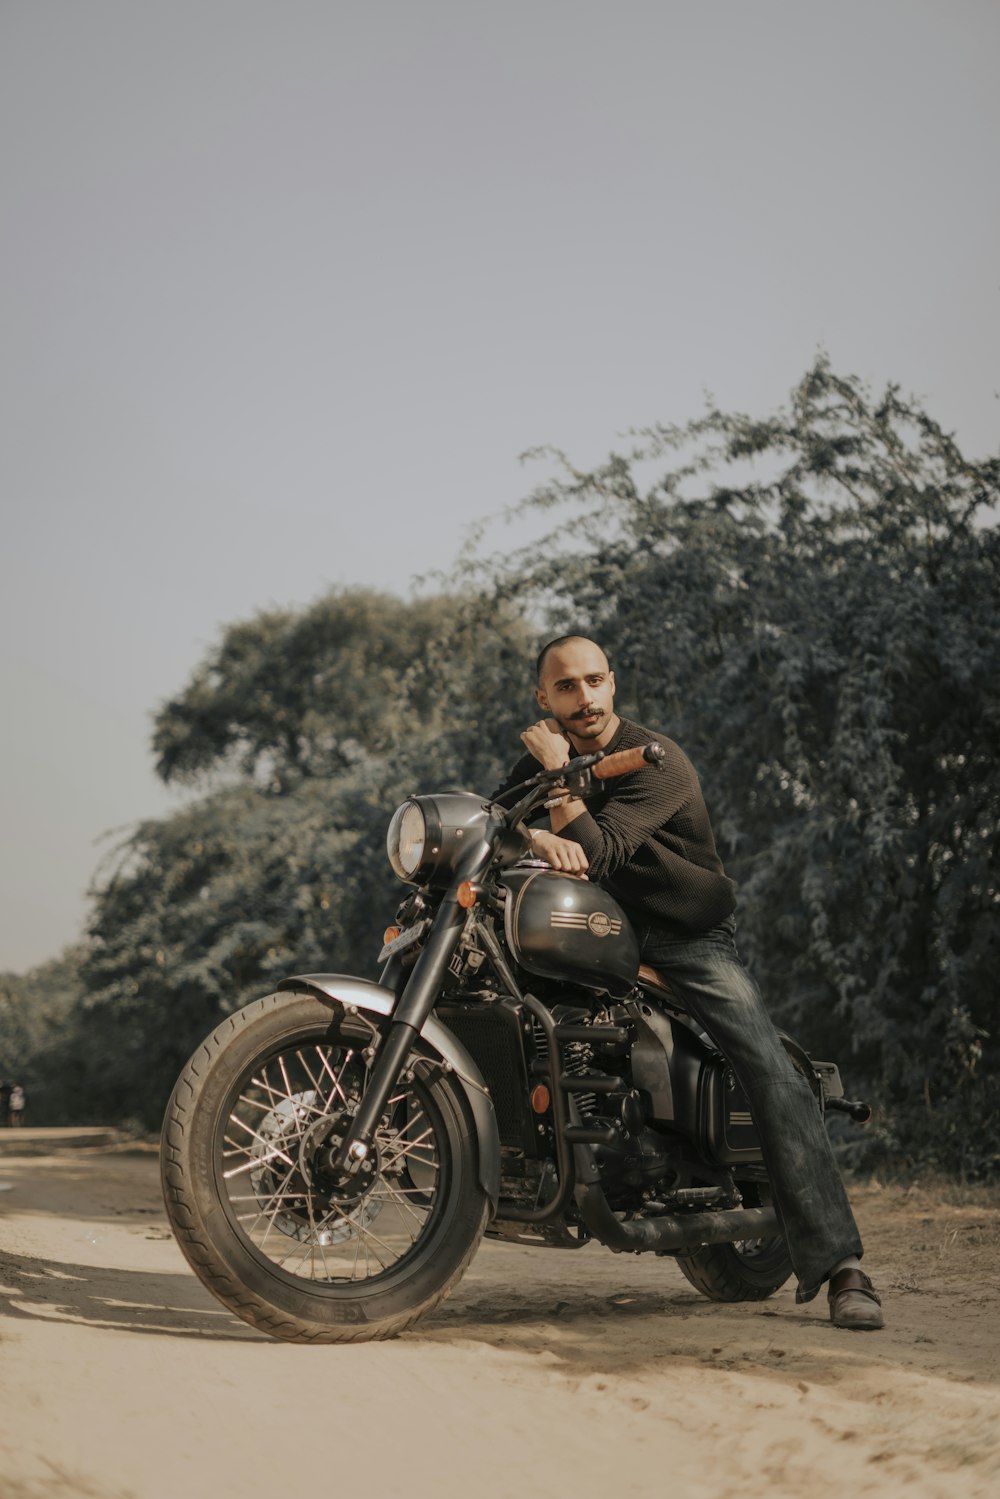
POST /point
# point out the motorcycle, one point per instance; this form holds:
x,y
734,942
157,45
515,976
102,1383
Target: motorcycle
x,y
333,1154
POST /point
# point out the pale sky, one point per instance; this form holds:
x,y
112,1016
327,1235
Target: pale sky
x,y
286,289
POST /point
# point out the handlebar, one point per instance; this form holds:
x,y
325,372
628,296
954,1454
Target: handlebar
x,y
576,778
624,761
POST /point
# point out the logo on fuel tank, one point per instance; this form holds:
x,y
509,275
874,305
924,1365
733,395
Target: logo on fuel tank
x,y
598,923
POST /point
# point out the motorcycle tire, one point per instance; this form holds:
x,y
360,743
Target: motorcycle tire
x,y
277,1242
744,1271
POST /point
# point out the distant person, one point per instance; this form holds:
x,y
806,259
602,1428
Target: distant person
x,y
5,1092
15,1106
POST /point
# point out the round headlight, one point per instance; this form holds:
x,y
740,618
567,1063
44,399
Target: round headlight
x,y
429,836
405,840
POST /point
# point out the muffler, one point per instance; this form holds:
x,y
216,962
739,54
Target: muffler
x,y
672,1233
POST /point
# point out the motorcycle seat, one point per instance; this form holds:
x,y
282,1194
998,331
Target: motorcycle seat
x,y
654,980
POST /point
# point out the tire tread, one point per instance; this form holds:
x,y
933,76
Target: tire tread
x,y
179,1197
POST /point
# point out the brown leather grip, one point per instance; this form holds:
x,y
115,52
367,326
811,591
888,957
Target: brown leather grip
x,y
620,763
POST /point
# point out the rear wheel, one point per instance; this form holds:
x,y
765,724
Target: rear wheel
x,y
273,1229
747,1270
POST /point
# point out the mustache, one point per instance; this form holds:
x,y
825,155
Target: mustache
x,y
584,713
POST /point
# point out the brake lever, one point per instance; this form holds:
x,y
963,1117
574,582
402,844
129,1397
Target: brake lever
x,y
578,783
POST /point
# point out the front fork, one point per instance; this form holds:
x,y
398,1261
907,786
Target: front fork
x,y
414,1005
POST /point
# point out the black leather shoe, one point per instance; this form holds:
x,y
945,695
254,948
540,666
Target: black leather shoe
x,y
854,1301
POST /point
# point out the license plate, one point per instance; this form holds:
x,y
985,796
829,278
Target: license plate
x,y
409,938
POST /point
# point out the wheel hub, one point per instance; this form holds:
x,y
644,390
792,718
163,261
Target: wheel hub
x,y
318,1162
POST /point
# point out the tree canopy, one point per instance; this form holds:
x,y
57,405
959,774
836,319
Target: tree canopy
x,y
807,602
303,729
38,1014
304,693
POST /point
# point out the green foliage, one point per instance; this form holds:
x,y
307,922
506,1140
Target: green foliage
x,y
211,907
304,693
306,729
36,1017
809,604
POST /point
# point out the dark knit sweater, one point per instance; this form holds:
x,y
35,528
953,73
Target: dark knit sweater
x,y
649,840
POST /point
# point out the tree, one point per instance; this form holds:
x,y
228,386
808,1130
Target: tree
x,y
304,729
293,694
36,1010
809,603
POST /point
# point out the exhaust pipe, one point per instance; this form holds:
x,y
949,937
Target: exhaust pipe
x,y
672,1233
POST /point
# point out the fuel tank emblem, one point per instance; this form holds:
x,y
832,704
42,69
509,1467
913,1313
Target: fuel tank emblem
x,y
598,923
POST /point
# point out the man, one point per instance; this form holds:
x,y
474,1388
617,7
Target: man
x,y
646,837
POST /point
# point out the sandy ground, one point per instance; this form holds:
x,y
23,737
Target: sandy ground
x,y
546,1373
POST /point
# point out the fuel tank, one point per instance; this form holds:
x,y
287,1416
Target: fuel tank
x,y
560,926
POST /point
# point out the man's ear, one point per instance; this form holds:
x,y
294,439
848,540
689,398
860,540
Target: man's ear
x,y
611,682
542,700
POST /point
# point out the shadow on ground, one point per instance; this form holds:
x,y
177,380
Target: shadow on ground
x,y
120,1300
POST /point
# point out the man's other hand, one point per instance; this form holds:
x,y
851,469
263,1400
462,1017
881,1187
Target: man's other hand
x,y
547,742
562,853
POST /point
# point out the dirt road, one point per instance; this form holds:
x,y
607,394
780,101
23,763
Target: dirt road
x,y
546,1373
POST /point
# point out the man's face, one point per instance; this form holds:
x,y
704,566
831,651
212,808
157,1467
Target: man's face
x,y
578,688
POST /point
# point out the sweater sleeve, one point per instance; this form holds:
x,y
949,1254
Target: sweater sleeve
x,y
640,803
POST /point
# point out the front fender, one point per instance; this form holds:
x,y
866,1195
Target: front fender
x,y
345,991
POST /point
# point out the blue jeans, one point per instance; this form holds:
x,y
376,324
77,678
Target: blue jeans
x,y
707,975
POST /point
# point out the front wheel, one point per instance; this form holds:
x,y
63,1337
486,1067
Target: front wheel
x,y
748,1270
265,1220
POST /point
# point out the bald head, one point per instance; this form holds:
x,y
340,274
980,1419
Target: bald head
x,y
557,644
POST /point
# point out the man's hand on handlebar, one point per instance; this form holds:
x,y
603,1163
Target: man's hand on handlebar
x,y
559,784
561,853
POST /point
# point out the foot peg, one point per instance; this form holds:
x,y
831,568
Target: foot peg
x,y
861,1113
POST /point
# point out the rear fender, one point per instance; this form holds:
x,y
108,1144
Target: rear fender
x,y
348,994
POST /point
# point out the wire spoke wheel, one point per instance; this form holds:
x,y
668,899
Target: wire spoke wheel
x,y
284,1201
269,1220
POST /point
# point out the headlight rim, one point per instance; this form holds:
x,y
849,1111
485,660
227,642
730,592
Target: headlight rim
x,y
444,829
394,840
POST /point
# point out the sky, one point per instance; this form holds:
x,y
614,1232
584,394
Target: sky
x,y
286,289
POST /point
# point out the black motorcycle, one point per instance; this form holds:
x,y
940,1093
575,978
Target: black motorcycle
x,y
333,1154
